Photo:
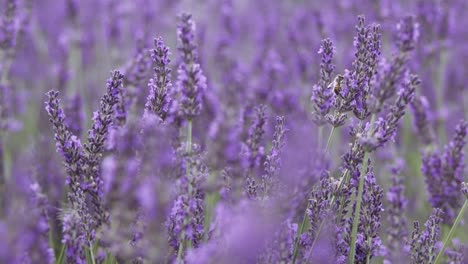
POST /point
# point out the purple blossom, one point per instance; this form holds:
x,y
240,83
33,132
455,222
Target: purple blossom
x,y
444,174
392,75
322,95
8,29
422,122
190,79
272,163
386,128
397,230
423,245
367,44
159,98
67,144
75,115
97,135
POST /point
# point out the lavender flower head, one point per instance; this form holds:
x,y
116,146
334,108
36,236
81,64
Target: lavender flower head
x,y
97,135
407,34
444,174
397,230
367,44
75,115
422,124
159,98
393,74
423,245
273,160
322,95
67,144
385,129
7,26
190,79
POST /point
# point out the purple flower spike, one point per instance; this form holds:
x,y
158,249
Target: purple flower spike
x,y
423,245
190,78
97,135
444,174
67,144
385,129
159,98
397,230
7,26
273,160
322,95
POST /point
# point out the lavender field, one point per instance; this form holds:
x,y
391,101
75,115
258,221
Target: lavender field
x,y
233,131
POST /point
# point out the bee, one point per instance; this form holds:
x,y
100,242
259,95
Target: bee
x,y
336,84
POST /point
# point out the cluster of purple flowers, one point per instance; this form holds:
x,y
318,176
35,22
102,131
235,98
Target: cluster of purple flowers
x,y
259,133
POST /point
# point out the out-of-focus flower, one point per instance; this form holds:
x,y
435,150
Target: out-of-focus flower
x,y
444,174
190,78
397,230
422,121
75,115
393,74
272,163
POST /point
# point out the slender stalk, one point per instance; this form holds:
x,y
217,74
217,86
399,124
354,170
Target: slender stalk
x,y
61,255
329,139
369,243
188,149
452,231
93,261
352,249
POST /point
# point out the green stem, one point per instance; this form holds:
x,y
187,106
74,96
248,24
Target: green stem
x,y
354,230
61,255
299,232
93,261
352,249
452,231
329,139
188,149
369,242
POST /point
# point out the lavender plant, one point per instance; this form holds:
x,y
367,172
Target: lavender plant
x,y
228,138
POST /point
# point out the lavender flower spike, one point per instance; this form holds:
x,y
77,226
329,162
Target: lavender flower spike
x,y
7,26
160,85
422,124
322,95
273,161
397,230
190,80
386,128
67,144
423,245
97,135
407,36
444,174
